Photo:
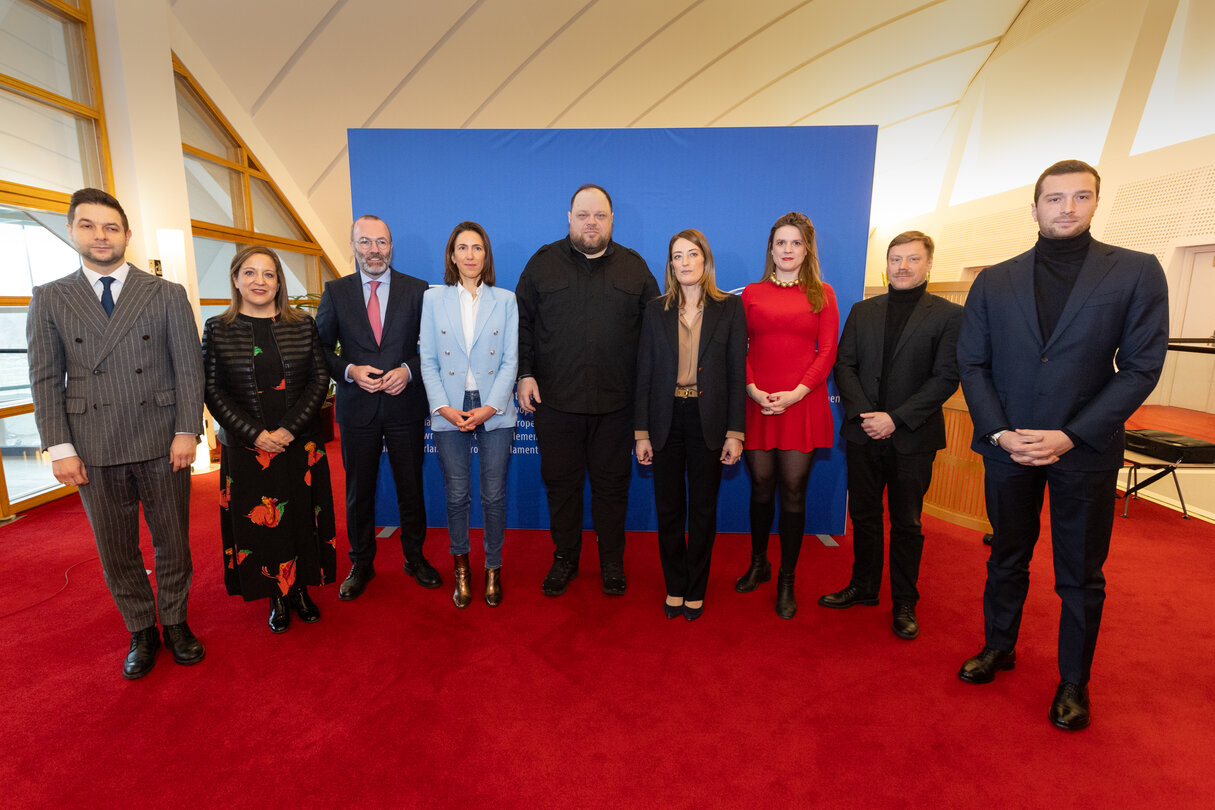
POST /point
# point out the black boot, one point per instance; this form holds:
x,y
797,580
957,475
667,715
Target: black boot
x,y
301,602
280,616
786,605
760,571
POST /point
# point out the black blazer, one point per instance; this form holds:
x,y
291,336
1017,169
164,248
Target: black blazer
x,y
1100,364
341,320
231,388
923,371
721,371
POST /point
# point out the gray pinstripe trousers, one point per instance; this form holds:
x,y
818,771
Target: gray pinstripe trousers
x,y
111,500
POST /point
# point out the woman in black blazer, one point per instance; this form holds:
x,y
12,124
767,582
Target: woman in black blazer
x,y
265,383
691,412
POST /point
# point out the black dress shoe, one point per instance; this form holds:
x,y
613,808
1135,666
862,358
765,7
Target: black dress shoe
x,y
614,583
423,572
280,615
672,611
559,576
849,597
983,667
759,571
1069,710
186,648
904,624
142,655
302,603
691,613
355,582
786,605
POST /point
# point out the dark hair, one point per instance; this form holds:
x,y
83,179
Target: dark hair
x,y
1066,167
95,196
282,305
672,294
451,273
912,236
584,187
372,218
808,275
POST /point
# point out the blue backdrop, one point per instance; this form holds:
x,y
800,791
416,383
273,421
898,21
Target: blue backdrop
x,y
731,183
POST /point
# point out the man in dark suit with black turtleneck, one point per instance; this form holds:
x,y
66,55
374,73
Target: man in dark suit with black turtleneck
x,y
1058,348
895,367
368,323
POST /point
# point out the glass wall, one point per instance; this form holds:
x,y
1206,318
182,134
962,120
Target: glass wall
x,y
52,136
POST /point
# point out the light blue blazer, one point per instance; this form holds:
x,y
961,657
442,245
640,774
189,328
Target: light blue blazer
x,y
493,356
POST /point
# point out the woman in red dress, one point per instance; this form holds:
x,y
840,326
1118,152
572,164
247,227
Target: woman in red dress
x,y
793,327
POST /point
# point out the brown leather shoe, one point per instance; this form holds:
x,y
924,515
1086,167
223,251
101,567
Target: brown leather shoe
x,y
462,594
493,586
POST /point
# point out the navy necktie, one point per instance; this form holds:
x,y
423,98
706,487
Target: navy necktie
x,y
107,295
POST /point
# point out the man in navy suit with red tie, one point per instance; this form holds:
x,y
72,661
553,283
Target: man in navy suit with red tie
x,y
368,322
1058,347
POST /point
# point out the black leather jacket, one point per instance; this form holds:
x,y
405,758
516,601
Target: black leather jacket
x,y
231,391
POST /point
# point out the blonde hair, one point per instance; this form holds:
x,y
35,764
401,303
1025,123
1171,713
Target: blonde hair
x,y
672,295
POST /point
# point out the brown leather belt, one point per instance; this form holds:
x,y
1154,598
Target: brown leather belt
x,y
685,391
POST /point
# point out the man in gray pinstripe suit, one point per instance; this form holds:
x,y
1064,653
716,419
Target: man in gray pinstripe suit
x,y
117,380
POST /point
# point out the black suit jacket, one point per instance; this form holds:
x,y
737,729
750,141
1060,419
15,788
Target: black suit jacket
x,y
341,321
1100,364
923,371
721,370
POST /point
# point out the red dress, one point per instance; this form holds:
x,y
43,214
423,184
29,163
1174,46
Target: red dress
x,y
790,344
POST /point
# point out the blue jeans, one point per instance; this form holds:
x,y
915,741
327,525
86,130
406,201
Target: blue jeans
x,y
455,458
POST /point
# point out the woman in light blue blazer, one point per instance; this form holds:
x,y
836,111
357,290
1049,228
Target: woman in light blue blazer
x,y
469,347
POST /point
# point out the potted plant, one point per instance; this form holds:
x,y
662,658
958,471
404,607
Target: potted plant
x,y
309,304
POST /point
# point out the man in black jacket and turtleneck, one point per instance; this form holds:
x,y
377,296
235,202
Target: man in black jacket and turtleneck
x,y
1058,348
895,367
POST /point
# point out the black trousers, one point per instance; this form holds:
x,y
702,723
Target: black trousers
x,y
1081,519
874,467
687,477
361,446
573,445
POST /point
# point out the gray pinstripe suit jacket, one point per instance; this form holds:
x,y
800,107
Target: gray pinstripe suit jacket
x,y
117,388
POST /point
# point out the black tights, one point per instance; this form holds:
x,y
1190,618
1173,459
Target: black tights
x,y
791,468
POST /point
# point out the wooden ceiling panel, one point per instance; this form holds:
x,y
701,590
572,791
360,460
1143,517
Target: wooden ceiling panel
x,y
248,42
936,31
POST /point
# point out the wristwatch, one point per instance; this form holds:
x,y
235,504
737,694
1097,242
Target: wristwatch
x,y
994,438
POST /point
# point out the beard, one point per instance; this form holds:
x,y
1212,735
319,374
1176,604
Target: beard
x,y
116,257
364,264
592,243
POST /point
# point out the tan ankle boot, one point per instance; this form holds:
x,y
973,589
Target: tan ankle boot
x,y
493,587
462,595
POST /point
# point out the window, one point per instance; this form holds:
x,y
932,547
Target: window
x,y
52,142
234,203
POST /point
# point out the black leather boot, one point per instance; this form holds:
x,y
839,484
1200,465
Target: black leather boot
x,y
760,571
786,605
280,615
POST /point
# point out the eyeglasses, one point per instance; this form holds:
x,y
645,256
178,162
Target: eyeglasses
x,y
364,243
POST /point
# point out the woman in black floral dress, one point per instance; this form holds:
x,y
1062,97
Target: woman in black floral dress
x,y
266,382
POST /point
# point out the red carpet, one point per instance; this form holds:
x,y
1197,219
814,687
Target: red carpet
x,y
400,700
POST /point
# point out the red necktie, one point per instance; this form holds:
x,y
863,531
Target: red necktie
x,y
373,312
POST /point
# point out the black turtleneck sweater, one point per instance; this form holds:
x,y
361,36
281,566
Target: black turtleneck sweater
x,y
899,305
1057,264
